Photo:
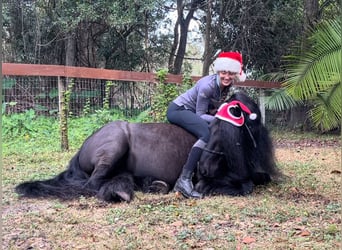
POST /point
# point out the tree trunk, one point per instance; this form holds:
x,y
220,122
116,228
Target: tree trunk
x,y
208,47
63,115
147,45
63,104
85,45
174,46
183,24
177,66
70,50
311,12
298,118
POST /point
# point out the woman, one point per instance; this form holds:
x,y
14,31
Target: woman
x,y
190,111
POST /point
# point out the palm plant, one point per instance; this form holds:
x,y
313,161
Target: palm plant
x,y
314,75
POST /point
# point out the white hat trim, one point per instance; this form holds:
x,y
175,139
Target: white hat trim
x,y
227,64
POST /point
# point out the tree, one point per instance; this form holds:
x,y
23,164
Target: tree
x,y
314,11
208,41
314,75
260,30
181,27
103,33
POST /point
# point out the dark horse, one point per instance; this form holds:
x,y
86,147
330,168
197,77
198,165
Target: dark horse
x,y
122,157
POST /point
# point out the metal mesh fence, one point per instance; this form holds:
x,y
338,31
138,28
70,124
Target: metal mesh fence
x,y
87,95
24,93
41,93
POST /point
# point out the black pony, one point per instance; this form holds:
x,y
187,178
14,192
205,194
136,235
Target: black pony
x,y
122,157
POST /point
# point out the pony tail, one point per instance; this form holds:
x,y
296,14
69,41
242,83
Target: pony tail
x,y
66,186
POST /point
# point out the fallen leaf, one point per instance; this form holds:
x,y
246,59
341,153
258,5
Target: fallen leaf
x,y
222,222
305,233
178,195
335,172
177,223
192,202
248,240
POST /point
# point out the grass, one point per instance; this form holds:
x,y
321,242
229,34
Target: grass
x,y
304,212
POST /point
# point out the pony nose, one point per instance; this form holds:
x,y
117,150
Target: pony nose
x,y
203,171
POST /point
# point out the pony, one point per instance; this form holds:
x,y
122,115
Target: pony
x,y
122,157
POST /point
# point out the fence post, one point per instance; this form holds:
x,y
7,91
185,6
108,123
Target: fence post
x,y
63,115
262,104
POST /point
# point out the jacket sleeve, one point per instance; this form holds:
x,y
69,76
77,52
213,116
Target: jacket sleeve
x,y
203,101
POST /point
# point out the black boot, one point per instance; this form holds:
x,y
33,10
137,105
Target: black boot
x,y
185,186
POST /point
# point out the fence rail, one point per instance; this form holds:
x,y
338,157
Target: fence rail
x,y
16,69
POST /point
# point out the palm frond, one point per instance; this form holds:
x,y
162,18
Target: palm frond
x,y
326,113
280,100
273,77
313,71
315,75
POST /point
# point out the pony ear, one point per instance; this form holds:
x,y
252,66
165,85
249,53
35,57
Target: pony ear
x,y
215,104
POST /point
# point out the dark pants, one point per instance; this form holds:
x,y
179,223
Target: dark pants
x,y
189,121
193,124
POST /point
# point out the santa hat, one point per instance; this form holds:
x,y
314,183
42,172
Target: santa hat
x,y
232,62
225,113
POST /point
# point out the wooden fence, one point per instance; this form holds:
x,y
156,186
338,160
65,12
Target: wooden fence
x,y
39,87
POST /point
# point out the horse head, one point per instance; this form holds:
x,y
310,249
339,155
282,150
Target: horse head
x,y
233,127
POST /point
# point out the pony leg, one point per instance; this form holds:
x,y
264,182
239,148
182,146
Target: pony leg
x,y
109,187
98,177
106,169
107,159
120,188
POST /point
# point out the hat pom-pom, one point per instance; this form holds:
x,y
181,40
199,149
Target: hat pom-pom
x,y
242,77
253,116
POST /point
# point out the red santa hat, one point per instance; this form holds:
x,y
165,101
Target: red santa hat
x,y
232,62
225,113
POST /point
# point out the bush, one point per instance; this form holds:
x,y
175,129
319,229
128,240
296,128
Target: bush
x,y
165,93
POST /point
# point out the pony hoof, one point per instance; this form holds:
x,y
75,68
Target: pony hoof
x,y
159,187
124,196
